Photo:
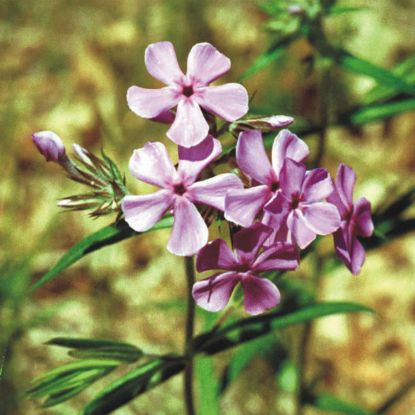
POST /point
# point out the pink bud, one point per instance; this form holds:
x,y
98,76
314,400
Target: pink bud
x,y
49,145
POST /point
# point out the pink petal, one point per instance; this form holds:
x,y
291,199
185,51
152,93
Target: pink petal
x,y
194,159
279,256
242,206
229,101
252,158
144,211
345,181
335,199
190,127
349,250
291,177
287,145
317,185
212,191
260,294
300,231
215,255
205,63
363,218
165,117
212,294
150,103
322,218
161,62
152,164
190,232
247,242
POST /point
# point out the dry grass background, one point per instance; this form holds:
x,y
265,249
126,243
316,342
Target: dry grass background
x,y
66,66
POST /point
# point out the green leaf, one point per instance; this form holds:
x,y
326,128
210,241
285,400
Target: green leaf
x,y
328,402
405,69
268,57
207,386
66,381
335,10
378,112
77,366
253,327
132,385
81,343
381,75
104,237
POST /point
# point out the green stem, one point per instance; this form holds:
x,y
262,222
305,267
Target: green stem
x,y
189,349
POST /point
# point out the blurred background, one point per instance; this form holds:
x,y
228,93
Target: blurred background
x,y
66,67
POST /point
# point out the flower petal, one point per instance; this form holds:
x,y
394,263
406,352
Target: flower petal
x,y
292,177
345,181
252,158
194,159
363,218
349,250
190,232
279,256
152,164
260,294
322,218
212,294
161,62
317,185
228,101
242,206
300,231
150,103
205,63
143,211
335,199
190,127
287,145
215,255
248,241
212,191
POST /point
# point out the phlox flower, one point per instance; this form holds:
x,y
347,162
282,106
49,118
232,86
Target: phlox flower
x,y
242,266
242,206
49,145
356,220
300,208
179,192
189,92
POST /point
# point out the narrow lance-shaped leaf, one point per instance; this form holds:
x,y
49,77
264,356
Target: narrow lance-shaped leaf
x,y
270,56
148,376
106,236
381,75
377,112
328,402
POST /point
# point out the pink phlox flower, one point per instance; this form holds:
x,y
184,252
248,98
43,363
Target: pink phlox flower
x,y
179,192
356,220
300,208
243,206
49,145
242,266
189,92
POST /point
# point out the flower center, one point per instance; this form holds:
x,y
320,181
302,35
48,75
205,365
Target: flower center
x,y
295,200
187,90
179,189
274,186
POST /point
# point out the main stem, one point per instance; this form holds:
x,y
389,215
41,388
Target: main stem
x,y
190,317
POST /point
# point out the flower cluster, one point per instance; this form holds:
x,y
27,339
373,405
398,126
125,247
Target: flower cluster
x,y
280,205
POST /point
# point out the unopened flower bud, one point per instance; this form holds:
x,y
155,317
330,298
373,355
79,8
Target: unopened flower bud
x,y
82,154
265,124
49,145
295,10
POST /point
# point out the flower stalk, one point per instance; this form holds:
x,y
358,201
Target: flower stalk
x,y
188,348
